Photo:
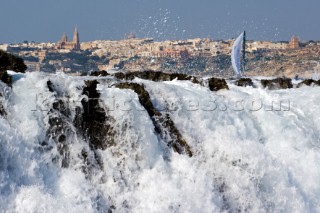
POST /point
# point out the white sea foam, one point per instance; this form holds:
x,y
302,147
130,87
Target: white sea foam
x,y
264,160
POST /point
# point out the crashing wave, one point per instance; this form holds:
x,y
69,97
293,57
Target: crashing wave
x,y
107,144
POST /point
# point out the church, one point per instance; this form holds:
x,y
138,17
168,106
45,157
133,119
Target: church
x,y
72,45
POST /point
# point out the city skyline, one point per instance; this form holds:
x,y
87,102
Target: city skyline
x,y
161,20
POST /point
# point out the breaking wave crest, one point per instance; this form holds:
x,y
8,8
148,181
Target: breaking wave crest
x,y
90,144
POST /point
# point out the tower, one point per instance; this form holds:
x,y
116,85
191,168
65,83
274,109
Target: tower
x,y
294,42
64,38
76,41
69,45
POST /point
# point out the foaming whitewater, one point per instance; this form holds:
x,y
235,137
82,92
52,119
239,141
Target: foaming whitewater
x,y
253,149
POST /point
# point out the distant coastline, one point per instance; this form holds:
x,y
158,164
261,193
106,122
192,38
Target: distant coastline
x,y
199,57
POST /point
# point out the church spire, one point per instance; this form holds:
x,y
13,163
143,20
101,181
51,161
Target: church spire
x,y
64,38
76,40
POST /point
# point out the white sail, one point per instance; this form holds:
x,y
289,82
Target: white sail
x,y
236,55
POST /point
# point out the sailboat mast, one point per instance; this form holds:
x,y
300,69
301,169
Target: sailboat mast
x,y
243,61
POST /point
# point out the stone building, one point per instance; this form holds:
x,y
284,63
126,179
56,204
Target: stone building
x,y
294,43
42,55
72,45
171,53
32,66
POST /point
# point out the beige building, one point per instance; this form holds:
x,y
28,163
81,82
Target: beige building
x,y
65,44
294,42
258,45
42,55
32,66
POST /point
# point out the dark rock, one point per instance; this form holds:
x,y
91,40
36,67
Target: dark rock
x,y
120,75
112,209
61,107
92,120
99,73
163,124
244,82
2,110
159,76
5,78
89,122
62,138
50,86
95,126
91,161
153,76
143,95
195,80
56,125
181,146
309,82
278,83
216,84
156,76
11,62
56,132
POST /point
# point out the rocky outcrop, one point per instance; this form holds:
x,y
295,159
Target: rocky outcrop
x,y
5,78
278,83
58,129
153,76
10,62
99,73
163,124
2,110
92,119
90,122
216,84
244,82
309,82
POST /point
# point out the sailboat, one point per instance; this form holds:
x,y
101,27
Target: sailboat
x,y
238,54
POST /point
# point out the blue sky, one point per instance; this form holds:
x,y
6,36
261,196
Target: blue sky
x,y
47,20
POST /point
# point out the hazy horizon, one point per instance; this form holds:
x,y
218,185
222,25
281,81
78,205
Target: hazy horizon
x,y
46,21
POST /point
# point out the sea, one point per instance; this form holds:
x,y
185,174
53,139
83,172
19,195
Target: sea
x,y
251,149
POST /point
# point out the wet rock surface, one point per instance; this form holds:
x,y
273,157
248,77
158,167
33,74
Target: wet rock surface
x,y
89,122
58,128
244,82
278,83
50,86
5,78
91,119
99,73
2,109
153,76
164,126
216,84
309,82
